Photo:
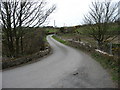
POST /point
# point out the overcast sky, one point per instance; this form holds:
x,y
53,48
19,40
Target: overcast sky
x,y
69,12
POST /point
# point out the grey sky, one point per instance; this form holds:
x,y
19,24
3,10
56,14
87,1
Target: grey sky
x,y
70,12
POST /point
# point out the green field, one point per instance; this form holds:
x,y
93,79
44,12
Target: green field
x,y
50,30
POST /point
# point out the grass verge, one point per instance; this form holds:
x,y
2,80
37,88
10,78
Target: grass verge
x,y
108,63
60,40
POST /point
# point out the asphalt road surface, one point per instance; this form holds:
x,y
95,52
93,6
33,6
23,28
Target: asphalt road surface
x,y
65,68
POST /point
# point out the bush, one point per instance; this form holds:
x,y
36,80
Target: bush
x,y
34,41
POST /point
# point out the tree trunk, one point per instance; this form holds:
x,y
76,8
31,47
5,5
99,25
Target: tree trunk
x,y
100,44
21,42
10,42
17,46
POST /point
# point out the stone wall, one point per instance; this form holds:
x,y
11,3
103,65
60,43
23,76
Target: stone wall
x,y
81,45
87,47
15,62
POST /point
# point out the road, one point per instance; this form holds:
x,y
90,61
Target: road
x,y
57,71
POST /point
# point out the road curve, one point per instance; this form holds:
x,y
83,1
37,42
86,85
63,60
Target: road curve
x,y
57,69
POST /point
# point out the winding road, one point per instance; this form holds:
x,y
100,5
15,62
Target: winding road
x,y
66,67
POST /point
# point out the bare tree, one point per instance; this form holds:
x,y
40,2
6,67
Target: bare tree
x,y
17,14
100,16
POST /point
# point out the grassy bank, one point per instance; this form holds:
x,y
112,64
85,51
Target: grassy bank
x,y
60,40
109,63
